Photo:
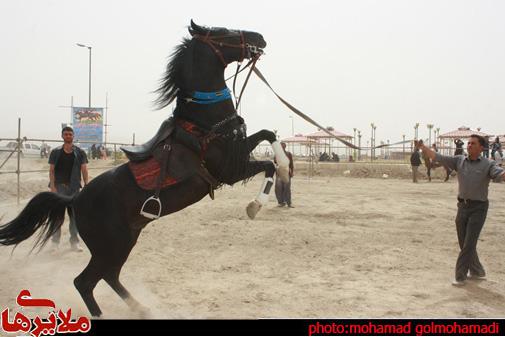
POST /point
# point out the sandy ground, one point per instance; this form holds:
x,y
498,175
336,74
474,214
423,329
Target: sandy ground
x,y
352,247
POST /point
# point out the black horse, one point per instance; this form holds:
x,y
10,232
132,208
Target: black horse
x,y
106,211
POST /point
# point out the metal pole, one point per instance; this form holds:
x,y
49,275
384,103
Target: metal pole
x,y
354,143
72,110
430,127
18,171
89,76
89,80
403,136
359,145
371,143
106,124
374,135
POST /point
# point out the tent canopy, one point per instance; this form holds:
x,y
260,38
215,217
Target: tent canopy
x,y
323,135
299,139
462,132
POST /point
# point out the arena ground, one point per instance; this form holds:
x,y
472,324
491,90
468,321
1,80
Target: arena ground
x,y
356,245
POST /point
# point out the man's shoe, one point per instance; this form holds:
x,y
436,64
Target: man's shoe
x,y
281,205
291,206
75,247
477,277
457,283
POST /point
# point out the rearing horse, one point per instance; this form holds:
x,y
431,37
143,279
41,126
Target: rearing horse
x,y
106,211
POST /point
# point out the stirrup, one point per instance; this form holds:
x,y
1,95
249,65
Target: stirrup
x,y
148,215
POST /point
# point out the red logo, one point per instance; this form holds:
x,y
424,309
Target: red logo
x,y
56,322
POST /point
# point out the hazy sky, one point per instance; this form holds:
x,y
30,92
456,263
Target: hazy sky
x,y
344,63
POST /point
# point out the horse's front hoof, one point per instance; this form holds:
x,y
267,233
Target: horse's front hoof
x,y
283,173
252,209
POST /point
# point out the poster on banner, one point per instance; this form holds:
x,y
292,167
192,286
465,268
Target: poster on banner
x,y
88,125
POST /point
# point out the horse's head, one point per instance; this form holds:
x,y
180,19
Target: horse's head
x,y
198,63
229,45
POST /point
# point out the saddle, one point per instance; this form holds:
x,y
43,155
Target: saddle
x,y
142,152
170,157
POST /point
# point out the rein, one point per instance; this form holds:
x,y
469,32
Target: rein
x,y
215,97
313,122
301,114
251,63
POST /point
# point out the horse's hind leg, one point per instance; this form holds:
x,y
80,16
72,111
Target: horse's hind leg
x,y
112,279
447,173
86,282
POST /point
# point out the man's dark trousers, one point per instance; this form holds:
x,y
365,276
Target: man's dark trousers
x,y
65,189
469,222
283,191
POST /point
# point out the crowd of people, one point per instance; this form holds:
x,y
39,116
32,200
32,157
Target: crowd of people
x,y
323,156
98,152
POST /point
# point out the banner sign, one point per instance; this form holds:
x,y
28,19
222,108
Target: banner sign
x,y
88,126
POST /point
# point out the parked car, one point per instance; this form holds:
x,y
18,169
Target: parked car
x,y
27,149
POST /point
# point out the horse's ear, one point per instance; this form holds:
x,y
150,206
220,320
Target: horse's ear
x,y
196,29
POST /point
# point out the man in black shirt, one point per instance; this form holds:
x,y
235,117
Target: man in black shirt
x,y
415,161
67,163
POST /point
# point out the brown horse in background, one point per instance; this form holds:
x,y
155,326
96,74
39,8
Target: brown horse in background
x,y
433,165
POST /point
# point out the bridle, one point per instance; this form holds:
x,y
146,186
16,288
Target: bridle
x,y
215,41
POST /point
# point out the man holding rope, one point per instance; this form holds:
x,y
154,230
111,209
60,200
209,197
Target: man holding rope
x,y
474,174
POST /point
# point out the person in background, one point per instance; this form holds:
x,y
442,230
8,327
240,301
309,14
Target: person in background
x,y
44,150
415,161
485,152
335,157
282,189
496,147
67,164
103,152
474,174
459,147
94,154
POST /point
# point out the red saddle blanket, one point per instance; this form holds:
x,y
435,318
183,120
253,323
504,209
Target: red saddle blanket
x,y
146,174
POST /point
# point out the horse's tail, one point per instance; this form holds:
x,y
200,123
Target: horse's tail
x,y
45,211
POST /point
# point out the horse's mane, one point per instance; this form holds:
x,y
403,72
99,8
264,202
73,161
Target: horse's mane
x,y
170,82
